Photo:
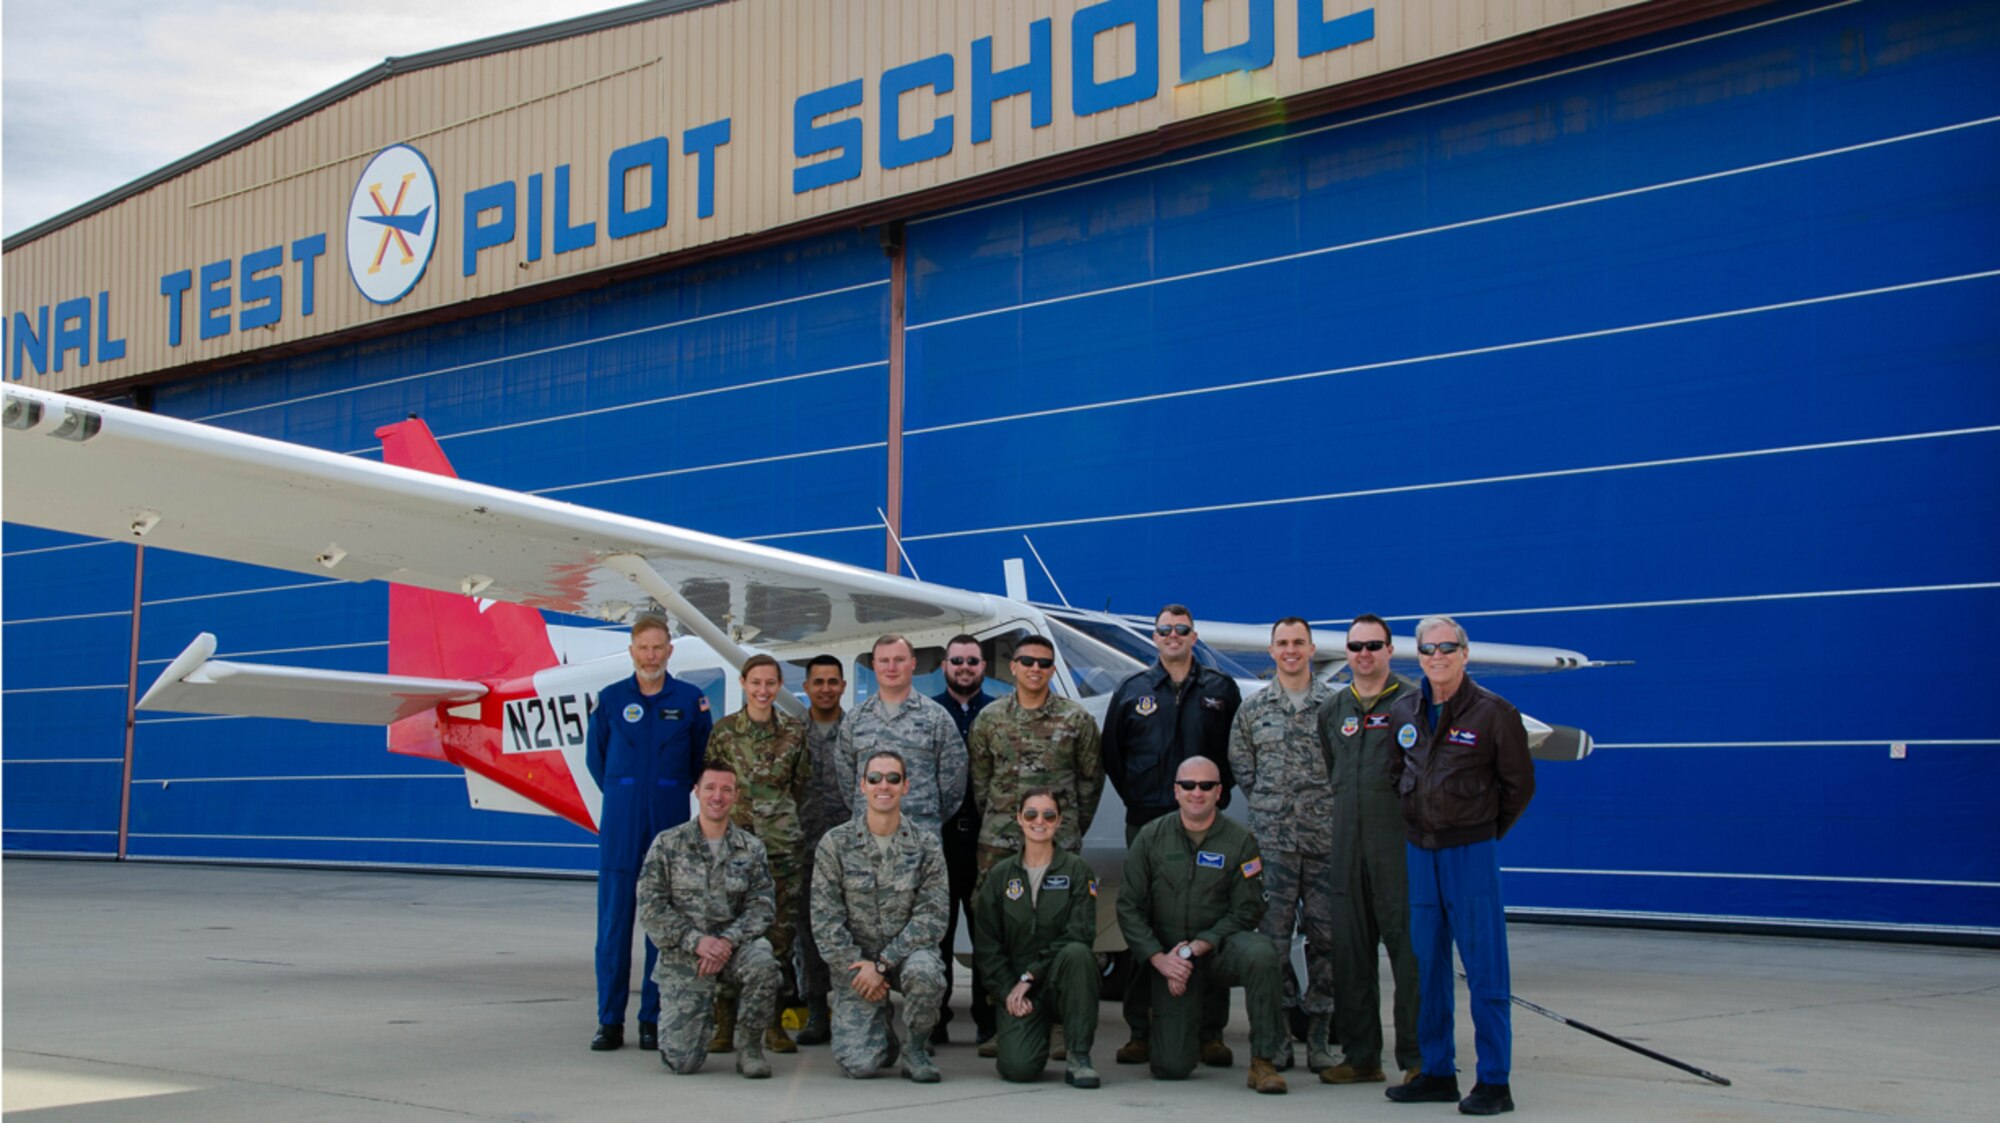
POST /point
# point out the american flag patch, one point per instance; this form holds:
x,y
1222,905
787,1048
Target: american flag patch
x,y
1253,867
1459,736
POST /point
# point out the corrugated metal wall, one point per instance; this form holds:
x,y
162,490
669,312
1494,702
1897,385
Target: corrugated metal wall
x,y
1679,352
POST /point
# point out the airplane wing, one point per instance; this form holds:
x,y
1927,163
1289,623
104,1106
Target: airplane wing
x,y
109,472
1255,639
197,683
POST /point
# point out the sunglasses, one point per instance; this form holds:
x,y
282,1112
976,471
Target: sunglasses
x,y
1366,644
1030,814
1204,785
1445,648
963,661
885,777
1043,662
1173,629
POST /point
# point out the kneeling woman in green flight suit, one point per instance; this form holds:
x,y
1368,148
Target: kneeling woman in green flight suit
x,y
1033,922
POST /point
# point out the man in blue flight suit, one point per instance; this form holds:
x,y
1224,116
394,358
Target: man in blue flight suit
x,y
648,737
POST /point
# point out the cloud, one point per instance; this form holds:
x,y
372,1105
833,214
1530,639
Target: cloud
x,y
98,93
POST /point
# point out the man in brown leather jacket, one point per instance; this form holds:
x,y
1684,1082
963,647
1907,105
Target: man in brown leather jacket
x,y
1464,776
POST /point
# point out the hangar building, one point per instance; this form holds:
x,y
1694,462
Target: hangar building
x,y
1664,331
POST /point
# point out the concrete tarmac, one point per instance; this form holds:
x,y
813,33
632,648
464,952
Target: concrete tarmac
x,y
158,992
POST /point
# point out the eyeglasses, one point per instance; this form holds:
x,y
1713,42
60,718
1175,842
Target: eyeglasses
x,y
1366,644
1445,648
1173,629
965,661
1030,814
1035,661
1204,785
885,777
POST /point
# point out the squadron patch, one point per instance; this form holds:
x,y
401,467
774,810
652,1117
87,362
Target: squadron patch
x,y
1378,721
1146,706
1407,736
1350,726
1015,889
1459,736
1253,867
634,711
1210,860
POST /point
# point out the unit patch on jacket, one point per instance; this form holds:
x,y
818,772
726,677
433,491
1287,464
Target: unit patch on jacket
x,y
1350,726
634,712
703,704
1146,706
1210,860
1015,889
1459,736
1407,736
1212,703
1378,721
1253,867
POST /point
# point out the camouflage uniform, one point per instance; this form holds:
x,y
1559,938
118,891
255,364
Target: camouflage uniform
x,y
773,771
888,903
923,732
687,892
823,807
1275,752
1015,749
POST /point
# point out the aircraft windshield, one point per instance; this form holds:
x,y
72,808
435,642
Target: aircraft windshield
x,y
1129,643
1094,667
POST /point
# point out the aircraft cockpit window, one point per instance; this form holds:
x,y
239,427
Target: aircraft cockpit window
x,y
1095,668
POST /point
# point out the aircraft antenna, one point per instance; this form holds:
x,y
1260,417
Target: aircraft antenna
x,y
898,540
1045,571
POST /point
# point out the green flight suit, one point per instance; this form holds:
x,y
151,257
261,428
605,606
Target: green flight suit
x,y
1178,890
1048,935
1370,889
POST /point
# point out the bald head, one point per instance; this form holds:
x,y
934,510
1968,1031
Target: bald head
x,y
1198,789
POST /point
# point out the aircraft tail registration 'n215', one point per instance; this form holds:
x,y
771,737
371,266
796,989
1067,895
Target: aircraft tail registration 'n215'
x,y
476,676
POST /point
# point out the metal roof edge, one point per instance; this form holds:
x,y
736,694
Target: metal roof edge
x,y
386,69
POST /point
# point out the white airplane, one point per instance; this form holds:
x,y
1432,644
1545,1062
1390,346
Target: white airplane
x,y
476,677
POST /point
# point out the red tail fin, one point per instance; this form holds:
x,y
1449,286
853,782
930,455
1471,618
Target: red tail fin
x,y
443,635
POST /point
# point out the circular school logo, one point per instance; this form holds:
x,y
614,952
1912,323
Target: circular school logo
x,y
1406,736
392,224
634,711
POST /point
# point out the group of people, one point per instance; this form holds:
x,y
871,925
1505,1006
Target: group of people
x,y
830,859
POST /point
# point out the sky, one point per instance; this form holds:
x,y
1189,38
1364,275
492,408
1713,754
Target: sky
x,y
97,93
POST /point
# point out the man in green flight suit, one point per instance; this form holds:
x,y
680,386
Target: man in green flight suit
x,y
1370,890
1189,907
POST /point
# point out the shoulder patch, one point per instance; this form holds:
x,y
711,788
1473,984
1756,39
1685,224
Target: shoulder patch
x,y
1093,887
1253,867
1407,736
703,704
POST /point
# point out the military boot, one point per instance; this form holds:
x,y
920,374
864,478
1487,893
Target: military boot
x,y
818,1029
1319,1052
725,1026
778,1041
917,1066
1080,1073
750,1062
1058,1044
1264,1078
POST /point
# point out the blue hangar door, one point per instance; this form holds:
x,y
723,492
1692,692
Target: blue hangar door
x,y
1681,352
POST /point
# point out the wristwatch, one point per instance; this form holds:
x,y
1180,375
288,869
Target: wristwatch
x,y
1027,976
882,967
1185,952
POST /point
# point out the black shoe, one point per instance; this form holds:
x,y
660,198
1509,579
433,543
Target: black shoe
x,y
649,1035
1299,1022
608,1038
1487,1099
1426,1089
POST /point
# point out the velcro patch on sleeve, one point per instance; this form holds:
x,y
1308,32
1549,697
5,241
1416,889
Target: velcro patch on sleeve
x,y
1253,867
